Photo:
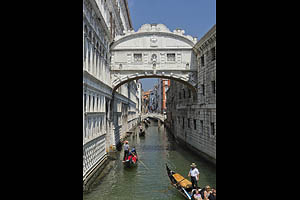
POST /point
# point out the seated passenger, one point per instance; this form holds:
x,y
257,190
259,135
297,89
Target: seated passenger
x,y
197,195
212,195
133,150
206,193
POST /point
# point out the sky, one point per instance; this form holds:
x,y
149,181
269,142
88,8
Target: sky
x,y
195,17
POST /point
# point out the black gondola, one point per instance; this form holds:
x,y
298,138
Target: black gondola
x,y
183,185
131,160
142,133
146,124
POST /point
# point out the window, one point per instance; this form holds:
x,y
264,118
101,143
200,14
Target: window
x,y
84,102
203,89
137,57
93,103
202,60
213,87
213,54
195,124
171,57
189,123
201,126
153,57
89,103
189,93
212,128
183,123
183,93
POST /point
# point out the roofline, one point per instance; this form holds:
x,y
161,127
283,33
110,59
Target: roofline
x,y
138,34
206,35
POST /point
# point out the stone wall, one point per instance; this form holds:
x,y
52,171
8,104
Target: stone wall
x,y
191,117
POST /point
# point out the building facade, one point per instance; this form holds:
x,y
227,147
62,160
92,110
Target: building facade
x,y
107,116
163,86
191,116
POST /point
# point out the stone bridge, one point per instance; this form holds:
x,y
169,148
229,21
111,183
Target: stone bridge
x,y
153,115
154,52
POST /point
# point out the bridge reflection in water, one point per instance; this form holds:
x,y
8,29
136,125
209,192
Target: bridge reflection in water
x,y
151,182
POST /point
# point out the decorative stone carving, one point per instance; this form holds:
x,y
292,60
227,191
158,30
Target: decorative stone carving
x,y
153,41
153,58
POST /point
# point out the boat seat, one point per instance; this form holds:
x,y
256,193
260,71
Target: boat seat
x,y
182,181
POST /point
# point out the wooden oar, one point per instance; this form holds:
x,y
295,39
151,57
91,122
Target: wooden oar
x,y
141,162
186,193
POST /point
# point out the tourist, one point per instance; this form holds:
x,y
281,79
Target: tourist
x,y
197,195
212,195
126,149
194,174
206,193
133,150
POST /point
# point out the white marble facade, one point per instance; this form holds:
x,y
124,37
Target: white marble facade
x,y
105,121
153,51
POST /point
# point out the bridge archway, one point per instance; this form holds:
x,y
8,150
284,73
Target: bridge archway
x,y
141,76
154,52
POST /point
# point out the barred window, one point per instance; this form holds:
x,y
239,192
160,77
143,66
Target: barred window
x,y
212,128
195,124
203,89
202,60
171,57
84,106
213,87
213,54
137,57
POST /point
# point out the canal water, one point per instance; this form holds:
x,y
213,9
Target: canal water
x,y
150,181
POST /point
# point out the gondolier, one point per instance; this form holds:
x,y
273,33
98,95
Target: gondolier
x,y
126,149
194,174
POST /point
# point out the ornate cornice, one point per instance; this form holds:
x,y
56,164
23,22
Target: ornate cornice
x,y
155,29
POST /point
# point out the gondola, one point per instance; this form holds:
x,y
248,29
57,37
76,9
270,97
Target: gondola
x,y
142,133
146,124
181,184
130,161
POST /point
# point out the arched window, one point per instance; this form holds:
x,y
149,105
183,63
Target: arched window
x,y
85,30
90,35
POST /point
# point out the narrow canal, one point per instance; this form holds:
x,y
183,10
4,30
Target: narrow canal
x,y
150,181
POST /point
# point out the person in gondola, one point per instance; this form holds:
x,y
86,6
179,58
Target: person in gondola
x,y
206,192
126,150
197,195
212,195
194,174
133,150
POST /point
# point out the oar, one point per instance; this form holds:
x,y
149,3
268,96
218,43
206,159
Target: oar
x,y
187,194
141,162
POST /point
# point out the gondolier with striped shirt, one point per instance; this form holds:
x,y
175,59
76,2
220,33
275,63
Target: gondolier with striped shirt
x,y
194,174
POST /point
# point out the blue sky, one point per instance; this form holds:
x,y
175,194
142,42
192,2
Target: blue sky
x,y
196,17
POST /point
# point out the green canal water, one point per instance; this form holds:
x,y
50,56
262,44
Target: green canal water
x,y
151,182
